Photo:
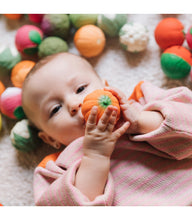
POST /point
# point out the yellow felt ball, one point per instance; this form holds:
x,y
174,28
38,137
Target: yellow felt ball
x,y
89,40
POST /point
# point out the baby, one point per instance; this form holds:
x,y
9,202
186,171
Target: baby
x,y
128,163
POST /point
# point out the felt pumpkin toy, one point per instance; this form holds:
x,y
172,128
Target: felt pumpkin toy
x,y
2,88
101,99
169,32
13,16
20,71
89,40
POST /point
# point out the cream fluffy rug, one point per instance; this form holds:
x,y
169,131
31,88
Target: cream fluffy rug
x,y
122,69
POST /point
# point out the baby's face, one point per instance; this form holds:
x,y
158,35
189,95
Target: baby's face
x,y
54,94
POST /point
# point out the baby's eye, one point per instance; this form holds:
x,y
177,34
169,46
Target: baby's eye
x,y
55,110
80,89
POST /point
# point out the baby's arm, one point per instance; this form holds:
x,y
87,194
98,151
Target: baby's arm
x,y
98,145
141,122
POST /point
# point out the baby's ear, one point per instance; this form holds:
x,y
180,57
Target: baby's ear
x,y
105,83
49,140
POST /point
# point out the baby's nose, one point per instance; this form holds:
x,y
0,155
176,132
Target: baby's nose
x,y
75,108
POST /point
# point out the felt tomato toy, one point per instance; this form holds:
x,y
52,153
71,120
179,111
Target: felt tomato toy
x,y
169,32
176,62
101,99
89,40
36,18
13,16
20,71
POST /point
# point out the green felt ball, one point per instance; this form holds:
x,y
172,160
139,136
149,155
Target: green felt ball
x,y
9,57
24,137
174,66
79,20
52,45
111,23
56,25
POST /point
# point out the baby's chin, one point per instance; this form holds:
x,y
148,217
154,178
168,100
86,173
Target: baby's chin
x,y
74,137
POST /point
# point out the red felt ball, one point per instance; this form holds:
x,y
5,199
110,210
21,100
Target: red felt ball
x,y
27,39
36,18
169,32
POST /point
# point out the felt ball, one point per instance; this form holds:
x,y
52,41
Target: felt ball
x,y
13,16
2,88
133,37
89,40
111,23
52,45
9,57
101,99
27,39
20,71
24,137
169,32
189,37
10,103
56,25
176,62
36,18
78,20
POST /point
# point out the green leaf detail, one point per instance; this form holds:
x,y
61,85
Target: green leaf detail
x,y
35,37
104,101
31,50
190,31
19,113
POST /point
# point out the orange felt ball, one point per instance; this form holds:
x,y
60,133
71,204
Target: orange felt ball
x,y
169,32
20,71
101,99
89,40
2,88
13,16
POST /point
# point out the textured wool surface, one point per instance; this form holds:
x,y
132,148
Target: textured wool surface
x,y
120,68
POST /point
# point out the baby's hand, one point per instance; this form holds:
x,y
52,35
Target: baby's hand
x,y
100,138
129,112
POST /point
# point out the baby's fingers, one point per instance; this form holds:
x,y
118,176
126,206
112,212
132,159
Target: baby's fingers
x,y
92,119
120,131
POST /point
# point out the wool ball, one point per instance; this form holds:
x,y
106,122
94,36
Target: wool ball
x,y
20,71
24,137
2,88
176,62
89,40
56,25
78,20
36,18
9,57
52,45
10,103
27,39
189,37
13,16
102,99
133,37
111,23
169,32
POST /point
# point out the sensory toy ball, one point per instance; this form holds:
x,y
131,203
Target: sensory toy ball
x,y
13,16
169,32
56,25
79,20
101,99
10,103
52,45
20,71
111,23
89,40
24,137
36,18
189,37
9,57
133,37
27,39
176,62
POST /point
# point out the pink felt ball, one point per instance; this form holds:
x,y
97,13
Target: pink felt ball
x,y
10,103
27,39
189,37
36,18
